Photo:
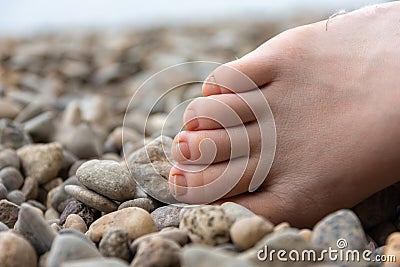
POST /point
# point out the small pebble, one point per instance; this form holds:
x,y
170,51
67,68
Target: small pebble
x,y
16,196
3,227
91,198
166,216
76,207
9,158
235,211
8,213
30,188
11,178
306,234
12,135
51,214
115,243
145,203
16,251
135,221
58,198
76,222
3,191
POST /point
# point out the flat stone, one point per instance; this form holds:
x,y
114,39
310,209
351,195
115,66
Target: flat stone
x,y
75,207
166,216
150,167
11,178
42,161
342,224
167,253
115,243
207,225
9,158
8,213
145,203
200,256
12,135
68,247
108,178
135,221
91,198
16,251
34,228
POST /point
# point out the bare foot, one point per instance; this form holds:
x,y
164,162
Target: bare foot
x,y
334,92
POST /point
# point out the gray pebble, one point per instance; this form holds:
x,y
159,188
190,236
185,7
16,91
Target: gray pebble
x,y
166,216
30,188
143,202
91,198
235,211
9,158
3,227
11,178
60,199
34,228
16,196
115,243
108,178
12,135
3,191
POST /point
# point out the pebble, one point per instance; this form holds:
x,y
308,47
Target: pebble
x,y
8,213
167,253
16,196
58,198
67,247
11,178
12,135
9,158
392,248
145,203
200,256
115,141
115,243
51,214
3,191
34,228
306,234
52,184
16,251
68,160
135,221
41,127
42,161
108,178
8,109
76,222
91,198
3,227
235,211
75,166
30,189
76,207
207,225
342,224
98,262
247,231
166,216
150,168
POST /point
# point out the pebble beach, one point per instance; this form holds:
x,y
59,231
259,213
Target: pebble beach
x,y
77,187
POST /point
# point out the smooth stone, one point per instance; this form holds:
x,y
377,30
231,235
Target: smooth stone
x,y
135,221
306,234
200,256
283,226
91,198
16,196
9,158
51,214
34,228
16,251
76,222
30,189
392,248
3,227
8,109
247,231
235,211
31,110
41,127
167,253
166,216
8,213
42,161
342,224
101,262
207,225
67,247
68,160
75,207
171,233
143,202
11,178
108,178
60,198
150,167
12,135
115,243
3,191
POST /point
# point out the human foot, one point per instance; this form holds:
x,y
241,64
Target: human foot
x,y
334,91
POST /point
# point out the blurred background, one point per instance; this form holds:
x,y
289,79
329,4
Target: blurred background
x,y
68,68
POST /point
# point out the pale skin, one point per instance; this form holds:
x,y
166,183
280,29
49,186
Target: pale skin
x,y
334,90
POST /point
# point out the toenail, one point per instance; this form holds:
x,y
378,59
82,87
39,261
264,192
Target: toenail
x,y
192,122
184,148
211,86
180,185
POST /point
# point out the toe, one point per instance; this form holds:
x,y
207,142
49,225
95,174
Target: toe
x,y
225,110
249,72
195,184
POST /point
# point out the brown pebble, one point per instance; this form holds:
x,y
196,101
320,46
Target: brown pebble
x,y
76,222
